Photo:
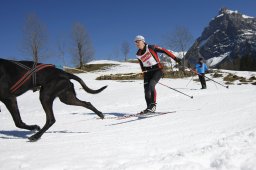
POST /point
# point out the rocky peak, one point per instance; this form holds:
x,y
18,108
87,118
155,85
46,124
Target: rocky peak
x,y
229,37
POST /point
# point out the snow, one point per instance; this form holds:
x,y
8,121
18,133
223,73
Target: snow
x,y
227,11
179,54
220,15
231,11
247,34
215,130
119,67
170,62
215,60
104,62
245,16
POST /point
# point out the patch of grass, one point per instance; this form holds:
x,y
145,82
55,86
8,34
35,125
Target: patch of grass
x,y
177,74
241,83
231,78
132,61
97,67
139,76
90,68
243,79
127,76
72,71
252,78
216,75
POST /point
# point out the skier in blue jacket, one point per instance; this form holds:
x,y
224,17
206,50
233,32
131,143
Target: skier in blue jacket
x,y
201,68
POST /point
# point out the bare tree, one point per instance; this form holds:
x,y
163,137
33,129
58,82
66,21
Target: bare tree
x,y
83,50
180,40
34,38
61,46
125,49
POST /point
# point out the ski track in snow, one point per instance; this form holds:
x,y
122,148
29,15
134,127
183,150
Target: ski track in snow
x,y
214,131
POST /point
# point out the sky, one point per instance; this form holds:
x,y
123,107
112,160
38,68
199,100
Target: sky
x,y
108,22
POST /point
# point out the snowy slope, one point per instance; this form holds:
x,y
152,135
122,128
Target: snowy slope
x,y
215,130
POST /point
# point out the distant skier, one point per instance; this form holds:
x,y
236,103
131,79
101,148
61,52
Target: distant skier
x,y
201,68
152,69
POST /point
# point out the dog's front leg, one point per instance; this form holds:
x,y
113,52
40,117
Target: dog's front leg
x,y
47,102
12,106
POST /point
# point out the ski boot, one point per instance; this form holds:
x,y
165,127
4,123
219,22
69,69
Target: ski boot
x,y
150,109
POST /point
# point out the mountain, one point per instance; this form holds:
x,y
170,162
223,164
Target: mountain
x,y
228,42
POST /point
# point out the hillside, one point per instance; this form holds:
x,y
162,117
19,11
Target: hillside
x,y
215,130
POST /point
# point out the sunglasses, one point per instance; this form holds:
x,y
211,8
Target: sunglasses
x,y
137,41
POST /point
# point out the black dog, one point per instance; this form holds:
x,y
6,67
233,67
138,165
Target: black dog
x,y
18,77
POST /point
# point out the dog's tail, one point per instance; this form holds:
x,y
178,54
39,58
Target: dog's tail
x,y
85,87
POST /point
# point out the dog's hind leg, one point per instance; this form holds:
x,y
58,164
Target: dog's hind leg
x,y
12,106
69,97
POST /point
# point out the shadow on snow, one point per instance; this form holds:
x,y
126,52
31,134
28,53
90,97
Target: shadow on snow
x,y
18,134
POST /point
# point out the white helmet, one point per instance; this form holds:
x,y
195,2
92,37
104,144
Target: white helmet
x,y
139,37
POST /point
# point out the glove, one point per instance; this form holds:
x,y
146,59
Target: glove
x,y
178,60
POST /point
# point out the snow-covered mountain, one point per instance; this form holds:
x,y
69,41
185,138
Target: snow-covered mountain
x,y
228,42
216,130
168,61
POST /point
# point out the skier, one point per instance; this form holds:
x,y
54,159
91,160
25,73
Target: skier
x,y
151,68
201,68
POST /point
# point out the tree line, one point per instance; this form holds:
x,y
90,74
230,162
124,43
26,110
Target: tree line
x,y
35,40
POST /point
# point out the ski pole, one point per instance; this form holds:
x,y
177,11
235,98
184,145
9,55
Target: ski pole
x,y
190,80
176,90
206,77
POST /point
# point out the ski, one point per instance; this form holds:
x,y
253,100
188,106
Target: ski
x,y
138,115
141,116
121,117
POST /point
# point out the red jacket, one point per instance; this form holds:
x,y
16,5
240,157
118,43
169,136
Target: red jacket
x,y
153,49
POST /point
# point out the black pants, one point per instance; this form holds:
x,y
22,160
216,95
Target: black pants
x,y
202,80
151,78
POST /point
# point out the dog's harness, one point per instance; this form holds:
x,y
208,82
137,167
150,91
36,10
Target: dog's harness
x,y
30,72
